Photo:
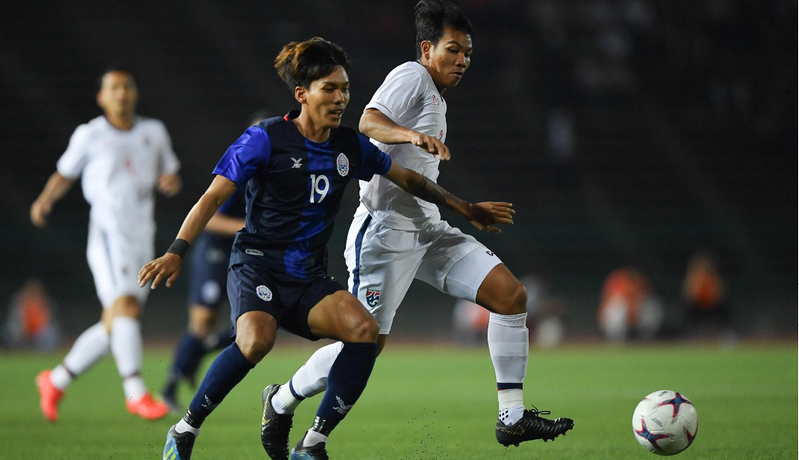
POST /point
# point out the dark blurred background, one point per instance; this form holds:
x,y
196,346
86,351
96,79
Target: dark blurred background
x,y
626,133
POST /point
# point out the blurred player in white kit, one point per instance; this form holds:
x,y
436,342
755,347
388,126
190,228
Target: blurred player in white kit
x,y
122,159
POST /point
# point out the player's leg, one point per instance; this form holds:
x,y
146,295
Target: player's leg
x,y
255,331
91,345
87,350
122,321
462,267
190,350
339,315
125,253
381,263
208,263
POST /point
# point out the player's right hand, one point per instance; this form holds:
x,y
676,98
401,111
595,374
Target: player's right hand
x,y
40,209
431,144
166,266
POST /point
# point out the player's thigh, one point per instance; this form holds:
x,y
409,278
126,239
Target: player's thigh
x,y
382,267
254,289
342,317
98,254
457,264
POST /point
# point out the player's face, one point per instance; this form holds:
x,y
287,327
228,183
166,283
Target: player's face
x,y
449,58
327,98
118,94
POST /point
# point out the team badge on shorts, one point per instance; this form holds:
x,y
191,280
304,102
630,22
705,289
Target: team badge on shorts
x,y
372,297
342,164
264,293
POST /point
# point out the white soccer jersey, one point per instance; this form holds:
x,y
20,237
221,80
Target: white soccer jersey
x,y
409,97
120,171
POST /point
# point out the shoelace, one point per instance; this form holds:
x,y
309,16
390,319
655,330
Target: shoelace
x,y
537,412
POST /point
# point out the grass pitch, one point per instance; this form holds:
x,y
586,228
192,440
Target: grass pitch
x,y
435,403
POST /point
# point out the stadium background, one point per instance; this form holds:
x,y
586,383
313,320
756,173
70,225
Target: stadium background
x,y
625,133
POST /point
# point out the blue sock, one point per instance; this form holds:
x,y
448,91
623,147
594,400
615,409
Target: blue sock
x,y
188,354
225,373
345,383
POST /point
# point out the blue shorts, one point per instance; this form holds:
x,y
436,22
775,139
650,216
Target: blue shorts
x,y
209,262
287,299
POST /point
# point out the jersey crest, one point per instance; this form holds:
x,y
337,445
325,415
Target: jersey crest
x,y
264,293
372,297
342,164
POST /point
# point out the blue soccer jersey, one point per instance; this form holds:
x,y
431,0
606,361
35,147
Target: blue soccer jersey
x,y
294,189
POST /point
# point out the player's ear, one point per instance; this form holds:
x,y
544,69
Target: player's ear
x,y
300,94
425,46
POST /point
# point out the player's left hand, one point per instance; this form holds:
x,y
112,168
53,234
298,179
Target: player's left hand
x,y
166,266
169,184
485,214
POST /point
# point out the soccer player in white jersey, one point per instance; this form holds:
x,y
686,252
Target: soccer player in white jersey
x,y
395,237
122,158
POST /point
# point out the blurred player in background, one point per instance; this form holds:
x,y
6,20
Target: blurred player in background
x,y
395,237
629,308
295,169
122,158
208,277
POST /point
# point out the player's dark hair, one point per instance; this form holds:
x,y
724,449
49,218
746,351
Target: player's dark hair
x,y
300,63
432,16
115,68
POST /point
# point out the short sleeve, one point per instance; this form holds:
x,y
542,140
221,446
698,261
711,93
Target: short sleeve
x,y
246,157
169,161
398,93
373,160
72,162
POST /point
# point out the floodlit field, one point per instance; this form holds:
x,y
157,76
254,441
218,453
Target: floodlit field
x,y
436,403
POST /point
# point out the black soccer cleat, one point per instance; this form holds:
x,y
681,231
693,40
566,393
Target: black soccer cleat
x,y
531,427
178,445
275,427
315,452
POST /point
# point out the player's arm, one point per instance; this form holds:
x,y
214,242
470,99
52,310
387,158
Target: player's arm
x,y
168,266
481,215
378,126
224,225
55,189
170,184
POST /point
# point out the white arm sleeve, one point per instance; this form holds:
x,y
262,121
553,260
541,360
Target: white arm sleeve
x,y
72,162
169,161
398,93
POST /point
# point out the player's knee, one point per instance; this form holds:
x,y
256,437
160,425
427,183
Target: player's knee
x,y
365,331
361,326
201,322
515,302
254,348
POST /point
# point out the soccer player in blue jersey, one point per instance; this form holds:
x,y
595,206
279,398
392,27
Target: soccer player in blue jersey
x,y
295,169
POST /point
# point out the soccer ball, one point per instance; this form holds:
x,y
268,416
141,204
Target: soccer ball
x,y
665,422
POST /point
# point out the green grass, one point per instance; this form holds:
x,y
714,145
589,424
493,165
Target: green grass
x,y
436,403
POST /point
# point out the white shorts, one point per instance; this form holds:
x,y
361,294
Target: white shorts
x,y
115,261
382,262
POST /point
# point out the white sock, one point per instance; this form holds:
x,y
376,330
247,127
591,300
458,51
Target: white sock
x,y
311,379
508,345
126,346
182,427
284,401
313,438
90,346
511,405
